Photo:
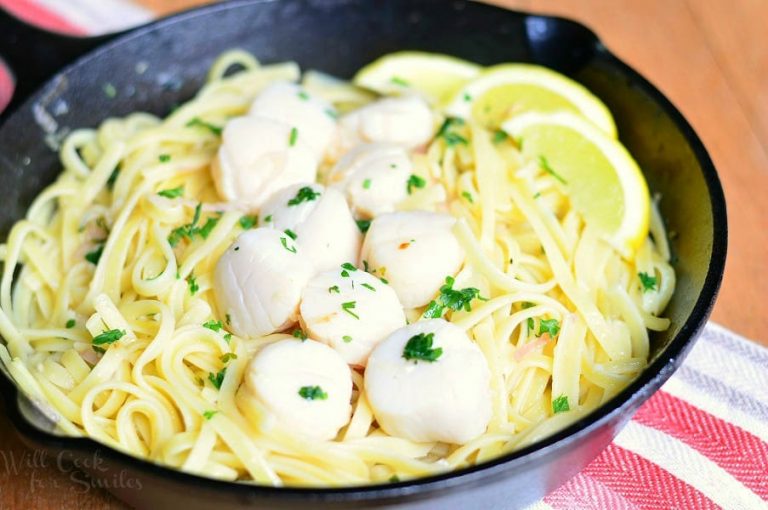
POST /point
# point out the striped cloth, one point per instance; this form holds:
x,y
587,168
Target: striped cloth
x,y
700,442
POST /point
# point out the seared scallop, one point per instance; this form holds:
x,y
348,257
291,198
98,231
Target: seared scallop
x,y
414,251
305,385
429,382
321,221
351,311
258,157
258,282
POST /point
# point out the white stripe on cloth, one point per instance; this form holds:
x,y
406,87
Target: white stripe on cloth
x,y
688,465
99,16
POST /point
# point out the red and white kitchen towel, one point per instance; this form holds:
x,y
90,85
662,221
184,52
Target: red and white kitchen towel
x,y
700,442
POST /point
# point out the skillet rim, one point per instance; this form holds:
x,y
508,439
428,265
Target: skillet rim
x,y
626,401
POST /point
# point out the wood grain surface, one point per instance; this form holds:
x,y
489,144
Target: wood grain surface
x,y
709,57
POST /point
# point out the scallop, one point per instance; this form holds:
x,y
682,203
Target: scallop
x,y
305,385
258,157
288,103
351,311
321,220
258,282
429,382
406,120
414,251
374,178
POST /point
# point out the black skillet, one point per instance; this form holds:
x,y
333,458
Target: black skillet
x,y
339,36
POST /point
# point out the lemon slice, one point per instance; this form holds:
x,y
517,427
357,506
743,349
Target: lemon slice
x,y
600,177
506,90
434,75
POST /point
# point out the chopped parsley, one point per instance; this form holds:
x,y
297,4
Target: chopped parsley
x,y
284,242
367,184
228,318
193,286
349,266
172,193
70,324
164,158
414,181
452,299
468,196
499,136
551,326
451,138
334,290
290,233
218,378
467,97
197,122
227,337
419,348
399,81
544,164
209,414
187,231
369,287
530,324
305,194
363,225
113,178
331,113
348,307
213,325
109,90
346,338
298,333
248,221
312,393
303,95
94,256
649,282
560,404
108,337
293,136
226,358
206,229
267,219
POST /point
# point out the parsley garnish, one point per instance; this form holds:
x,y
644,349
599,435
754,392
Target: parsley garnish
x,y
452,299
209,414
294,135
551,326
649,282
414,181
399,81
248,221
468,196
467,97
298,333
284,242
348,307
213,325
419,347
228,318
303,95
451,137
164,158
108,337
363,225
113,178
197,122
218,378
226,358
544,164
267,219
346,338
193,286
227,337
305,194
186,231
312,393
71,323
334,289
290,233
560,404
499,136
94,256
369,287
172,193
366,184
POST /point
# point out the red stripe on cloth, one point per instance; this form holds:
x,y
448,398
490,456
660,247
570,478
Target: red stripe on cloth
x,y
743,455
643,483
35,14
586,493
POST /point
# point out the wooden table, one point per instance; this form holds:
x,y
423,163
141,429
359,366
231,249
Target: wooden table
x,y
710,58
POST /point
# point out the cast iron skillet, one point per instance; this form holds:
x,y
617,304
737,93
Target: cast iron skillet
x,y
339,36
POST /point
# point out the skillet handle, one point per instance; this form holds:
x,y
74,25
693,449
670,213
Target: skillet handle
x,y
34,55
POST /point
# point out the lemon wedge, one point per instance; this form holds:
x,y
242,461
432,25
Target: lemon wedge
x,y
506,90
602,180
433,75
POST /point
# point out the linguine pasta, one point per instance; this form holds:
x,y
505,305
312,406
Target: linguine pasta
x,y
93,254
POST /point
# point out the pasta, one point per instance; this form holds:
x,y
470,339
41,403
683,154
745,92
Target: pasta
x,y
93,256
